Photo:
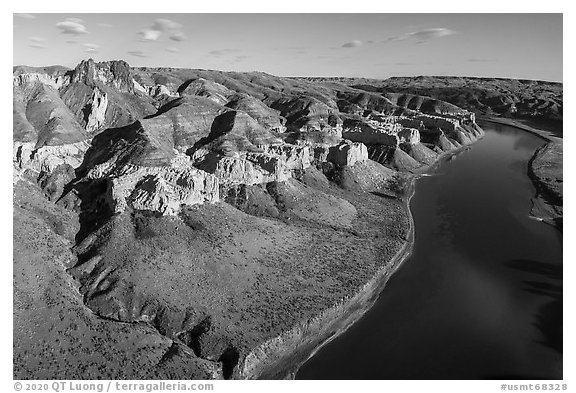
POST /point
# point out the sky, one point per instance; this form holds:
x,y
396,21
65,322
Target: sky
x,y
523,46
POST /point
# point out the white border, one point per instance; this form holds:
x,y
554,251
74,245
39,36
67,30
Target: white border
x,y
295,6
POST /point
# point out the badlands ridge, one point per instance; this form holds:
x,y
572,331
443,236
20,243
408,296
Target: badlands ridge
x,y
179,223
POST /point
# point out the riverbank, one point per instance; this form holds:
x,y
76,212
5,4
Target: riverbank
x,y
280,357
545,169
471,296
308,338
548,136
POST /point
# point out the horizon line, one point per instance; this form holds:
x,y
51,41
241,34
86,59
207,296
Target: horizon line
x,y
309,76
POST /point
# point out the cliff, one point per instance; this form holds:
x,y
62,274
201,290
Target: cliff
x,y
546,170
211,213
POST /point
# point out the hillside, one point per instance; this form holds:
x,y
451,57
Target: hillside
x,y
539,101
225,222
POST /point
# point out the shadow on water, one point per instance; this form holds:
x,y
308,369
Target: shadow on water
x,y
549,322
549,317
536,267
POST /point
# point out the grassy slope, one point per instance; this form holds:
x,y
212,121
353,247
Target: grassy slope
x,y
55,335
251,277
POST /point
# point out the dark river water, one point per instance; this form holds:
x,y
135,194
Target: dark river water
x,y
481,295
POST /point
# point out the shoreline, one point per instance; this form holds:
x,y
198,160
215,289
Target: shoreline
x,y
546,135
547,203
544,204
310,336
348,311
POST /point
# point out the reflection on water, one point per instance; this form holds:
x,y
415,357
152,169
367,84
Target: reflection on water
x,y
481,296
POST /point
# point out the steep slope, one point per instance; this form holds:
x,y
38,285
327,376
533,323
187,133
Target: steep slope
x,y
55,334
102,95
546,170
234,218
40,115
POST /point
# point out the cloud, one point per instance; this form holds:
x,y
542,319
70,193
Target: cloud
x,y
172,49
37,42
166,25
137,53
161,26
150,35
429,34
92,48
178,36
222,52
353,44
72,26
423,36
25,16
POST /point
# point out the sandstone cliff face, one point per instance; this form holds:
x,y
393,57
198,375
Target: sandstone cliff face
x,y
409,136
103,95
161,189
365,132
116,74
248,169
272,163
409,149
144,171
43,160
54,81
97,114
158,92
348,153
212,117
295,157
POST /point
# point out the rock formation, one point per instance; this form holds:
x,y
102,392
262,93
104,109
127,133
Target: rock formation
x,y
546,170
103,95
205,88
265,116
524,99
225,211
348,153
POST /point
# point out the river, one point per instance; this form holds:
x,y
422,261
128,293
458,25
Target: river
x,y
481,295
